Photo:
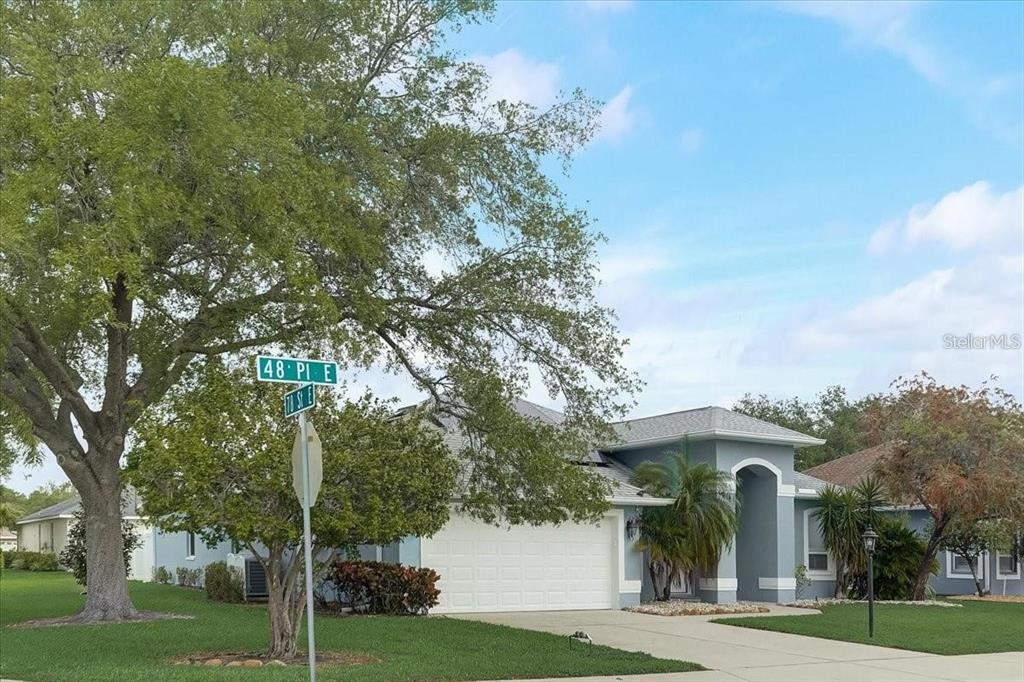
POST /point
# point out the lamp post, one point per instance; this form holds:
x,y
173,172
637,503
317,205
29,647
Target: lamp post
x,y
870,537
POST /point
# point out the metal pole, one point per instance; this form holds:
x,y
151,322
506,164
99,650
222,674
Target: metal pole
x,y
871,594
311,643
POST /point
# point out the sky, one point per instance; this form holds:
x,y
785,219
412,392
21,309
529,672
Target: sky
x,y
794,195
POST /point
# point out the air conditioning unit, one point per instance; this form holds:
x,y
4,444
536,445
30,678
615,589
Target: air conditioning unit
x,y
255,578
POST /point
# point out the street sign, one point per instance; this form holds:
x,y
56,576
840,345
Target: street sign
x,y
296,370
316,464
299,400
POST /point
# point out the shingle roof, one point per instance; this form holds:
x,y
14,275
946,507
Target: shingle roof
x,y
803,482
133,507
851,469
703,423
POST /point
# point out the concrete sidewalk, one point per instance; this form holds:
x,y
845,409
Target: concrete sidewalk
x,y
739,654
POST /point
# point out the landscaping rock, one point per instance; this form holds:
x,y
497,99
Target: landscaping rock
x,y
233,664
681,607
213,661
818,603
252,663
278,663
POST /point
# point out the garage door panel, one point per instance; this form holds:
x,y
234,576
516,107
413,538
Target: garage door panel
x,y
483,568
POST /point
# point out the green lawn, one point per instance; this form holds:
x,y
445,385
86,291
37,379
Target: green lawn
x,y
977,628
410,648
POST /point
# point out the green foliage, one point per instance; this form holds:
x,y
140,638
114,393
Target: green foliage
x,y
842,519
898,554
970,538
216,461
25,560
161,575
73,556
689,535
223,583
378,587
831,415
184,180
803,581
17,505
188,577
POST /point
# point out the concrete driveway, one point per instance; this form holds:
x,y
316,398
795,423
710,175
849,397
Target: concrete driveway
x,y
759,656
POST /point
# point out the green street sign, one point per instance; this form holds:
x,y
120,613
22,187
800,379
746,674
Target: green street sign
x,y
296,370
299,400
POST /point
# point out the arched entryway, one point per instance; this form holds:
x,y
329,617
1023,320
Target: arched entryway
x,y
757,546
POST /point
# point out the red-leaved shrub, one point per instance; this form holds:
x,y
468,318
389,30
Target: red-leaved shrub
x,y
377,587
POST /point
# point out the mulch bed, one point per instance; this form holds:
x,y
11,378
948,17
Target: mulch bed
x,y
233,659
1008,598
681,607
140,617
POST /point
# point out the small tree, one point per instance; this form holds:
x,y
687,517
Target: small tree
x,y
688,536
957,452
74,555
969,539
216,462
841,519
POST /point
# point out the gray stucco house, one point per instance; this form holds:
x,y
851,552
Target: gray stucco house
x,y
580,566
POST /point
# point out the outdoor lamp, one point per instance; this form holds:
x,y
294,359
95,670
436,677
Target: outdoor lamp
x,y
870,537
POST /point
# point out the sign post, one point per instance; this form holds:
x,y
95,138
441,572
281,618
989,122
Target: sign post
x,y
306,534
307,461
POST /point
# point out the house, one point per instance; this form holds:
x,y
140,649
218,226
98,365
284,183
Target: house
x,y
1000,572
8,539
584,566
46,530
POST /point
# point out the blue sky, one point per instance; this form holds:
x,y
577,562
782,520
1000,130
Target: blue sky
x,y
794,195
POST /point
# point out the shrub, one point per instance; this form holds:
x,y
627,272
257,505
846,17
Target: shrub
x,y
188,577
161,575
223,582
802,581
898,554
72,557
24,560
377,587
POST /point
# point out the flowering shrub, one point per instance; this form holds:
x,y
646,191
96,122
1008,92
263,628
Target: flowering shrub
x,y
377,587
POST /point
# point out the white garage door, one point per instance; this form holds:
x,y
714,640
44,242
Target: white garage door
x,y
524,568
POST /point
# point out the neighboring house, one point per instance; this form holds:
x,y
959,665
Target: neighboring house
x,y
46,530
583,566
8,539
999,572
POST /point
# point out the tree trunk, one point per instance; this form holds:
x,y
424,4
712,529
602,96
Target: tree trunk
x,y
283,630
924,570
973,565
106,583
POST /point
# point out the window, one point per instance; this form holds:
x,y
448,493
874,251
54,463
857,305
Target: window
x,y
957,566
1007,566
819,564
190,544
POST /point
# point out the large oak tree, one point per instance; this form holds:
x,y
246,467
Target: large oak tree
x,y
183,179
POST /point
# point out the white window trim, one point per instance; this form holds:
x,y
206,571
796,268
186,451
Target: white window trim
x,y
192,556
950,573
1007,576
829,574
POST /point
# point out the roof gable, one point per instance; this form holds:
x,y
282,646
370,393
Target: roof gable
x,y
849,470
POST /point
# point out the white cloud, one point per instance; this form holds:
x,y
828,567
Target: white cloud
x,y
617,119
887,25
608,5
971,217
517,78
691,140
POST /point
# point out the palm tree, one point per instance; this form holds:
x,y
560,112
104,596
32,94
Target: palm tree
x,y
841,518
688,536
